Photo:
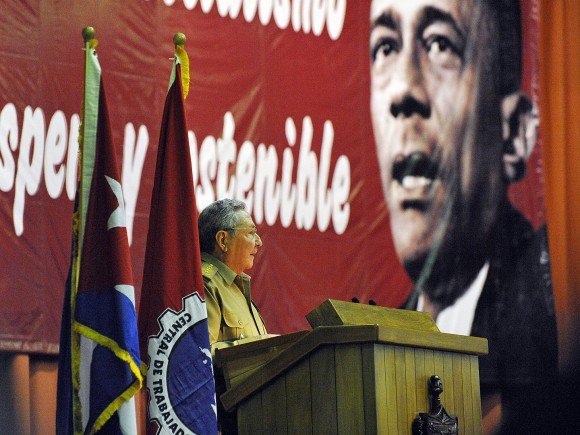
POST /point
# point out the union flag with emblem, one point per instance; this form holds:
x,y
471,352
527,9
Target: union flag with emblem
x,y
172,315
100,367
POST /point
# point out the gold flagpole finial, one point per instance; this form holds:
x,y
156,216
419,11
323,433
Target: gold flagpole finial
x,y
182,58
179,39
88,33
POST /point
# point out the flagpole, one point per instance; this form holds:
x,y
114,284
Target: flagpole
x,y
88,34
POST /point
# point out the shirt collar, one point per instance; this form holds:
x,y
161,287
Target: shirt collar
x,y
458,317
227,274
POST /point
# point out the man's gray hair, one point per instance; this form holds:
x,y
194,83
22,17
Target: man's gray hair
x,y
219,215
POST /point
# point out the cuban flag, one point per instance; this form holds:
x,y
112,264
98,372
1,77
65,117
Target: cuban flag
x,y
172,315
100,367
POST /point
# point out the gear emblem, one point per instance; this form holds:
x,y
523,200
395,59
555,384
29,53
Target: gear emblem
x,y
180,375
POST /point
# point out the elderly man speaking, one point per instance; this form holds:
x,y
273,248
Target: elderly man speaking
x,y
229,242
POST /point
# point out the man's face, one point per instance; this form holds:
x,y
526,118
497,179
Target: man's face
x,y
420,98
244,245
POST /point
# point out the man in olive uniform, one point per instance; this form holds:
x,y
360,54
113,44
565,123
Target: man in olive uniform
x,y
231,313
228,242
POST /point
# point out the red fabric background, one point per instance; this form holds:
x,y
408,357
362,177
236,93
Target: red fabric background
x,y
262,75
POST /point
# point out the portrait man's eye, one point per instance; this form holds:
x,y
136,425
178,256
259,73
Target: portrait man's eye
x,y
382,48
443,50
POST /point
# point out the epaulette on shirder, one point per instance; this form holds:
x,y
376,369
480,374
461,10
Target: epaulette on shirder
x,y
208,270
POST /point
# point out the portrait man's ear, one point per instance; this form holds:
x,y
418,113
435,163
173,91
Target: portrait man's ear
x,y
520,131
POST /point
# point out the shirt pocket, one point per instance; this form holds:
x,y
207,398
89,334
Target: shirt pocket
x,y
233,325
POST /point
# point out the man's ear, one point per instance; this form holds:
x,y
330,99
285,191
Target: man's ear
x,y
519,124
221,240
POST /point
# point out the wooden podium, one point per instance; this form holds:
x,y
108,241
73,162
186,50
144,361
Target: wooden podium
x,y
362,369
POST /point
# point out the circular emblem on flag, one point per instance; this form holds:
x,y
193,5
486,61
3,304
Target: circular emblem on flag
x,y
180,374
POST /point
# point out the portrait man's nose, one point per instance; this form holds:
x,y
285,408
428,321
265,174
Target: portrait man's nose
x,y
408,94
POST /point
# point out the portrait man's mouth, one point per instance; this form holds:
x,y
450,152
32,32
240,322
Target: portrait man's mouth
x,y
416,173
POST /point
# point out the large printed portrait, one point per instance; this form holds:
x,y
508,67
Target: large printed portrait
x,y
453,130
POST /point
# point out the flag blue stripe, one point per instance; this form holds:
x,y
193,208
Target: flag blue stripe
x,y
112,314
110,377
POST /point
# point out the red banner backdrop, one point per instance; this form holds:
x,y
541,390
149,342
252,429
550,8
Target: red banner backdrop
x,y
279,116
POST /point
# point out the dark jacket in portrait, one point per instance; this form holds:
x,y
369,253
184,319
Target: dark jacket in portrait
x,y
515,312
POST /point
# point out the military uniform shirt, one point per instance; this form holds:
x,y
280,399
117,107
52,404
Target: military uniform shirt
x,y
230,311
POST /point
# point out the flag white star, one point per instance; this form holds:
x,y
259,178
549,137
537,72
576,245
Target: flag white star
x,y
117,218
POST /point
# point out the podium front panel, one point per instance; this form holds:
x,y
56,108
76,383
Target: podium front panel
x,y
366,388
